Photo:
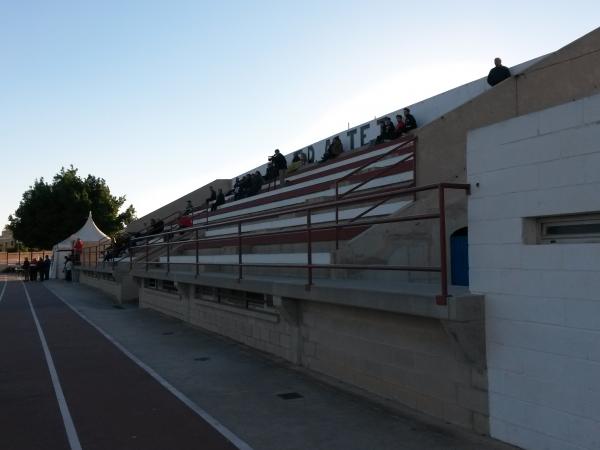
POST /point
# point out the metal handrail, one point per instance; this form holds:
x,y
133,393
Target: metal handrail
x,y
309,229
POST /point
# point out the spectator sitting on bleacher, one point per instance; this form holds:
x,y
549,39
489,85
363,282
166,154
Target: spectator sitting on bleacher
x,y
409,121
235,189
189,208
184,221
401,126
298,161
388,131
272,171
256,182
156,226
219,201
213,196
334,150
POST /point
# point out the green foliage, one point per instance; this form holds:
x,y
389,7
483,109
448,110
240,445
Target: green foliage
x,y
49,213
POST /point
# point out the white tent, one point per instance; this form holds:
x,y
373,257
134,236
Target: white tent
x,y
89,233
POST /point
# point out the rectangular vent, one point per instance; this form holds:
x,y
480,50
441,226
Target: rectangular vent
x,y
569,229
289,396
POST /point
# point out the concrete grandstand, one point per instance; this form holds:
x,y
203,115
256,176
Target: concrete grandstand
x,y
421,270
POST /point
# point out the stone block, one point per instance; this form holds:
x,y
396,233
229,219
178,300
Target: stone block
x,y
562,172
473,399
479,379
591,109
481,424
568,115
457,415
430,405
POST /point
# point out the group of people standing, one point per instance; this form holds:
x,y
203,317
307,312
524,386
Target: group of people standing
x,y
36,268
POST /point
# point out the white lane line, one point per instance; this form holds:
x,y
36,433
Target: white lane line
x,y
60,397
228,434
3,289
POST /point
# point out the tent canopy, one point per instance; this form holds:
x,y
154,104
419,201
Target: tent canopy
x,y
89,232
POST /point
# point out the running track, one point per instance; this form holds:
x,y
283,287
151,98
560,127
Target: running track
x,y
65,385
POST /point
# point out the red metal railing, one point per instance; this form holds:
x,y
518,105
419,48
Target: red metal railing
x,y
145,242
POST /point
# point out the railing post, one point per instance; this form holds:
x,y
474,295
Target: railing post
x,y
96,257
442,299
309,248
19,251
168,256
239,251
337,217
147,251
197,253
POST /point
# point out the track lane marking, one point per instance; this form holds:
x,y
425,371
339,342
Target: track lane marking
x,y
222,429
72,436
3,289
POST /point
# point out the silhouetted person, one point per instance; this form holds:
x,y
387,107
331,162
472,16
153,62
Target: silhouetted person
x,y
219,201
25,266
281,163
212,196
47,264
409,120
498,73
33,270
68,269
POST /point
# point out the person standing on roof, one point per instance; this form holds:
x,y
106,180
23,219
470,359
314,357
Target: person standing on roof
x,y
498,73
281,164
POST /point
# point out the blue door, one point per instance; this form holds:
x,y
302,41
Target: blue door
x,y
459,257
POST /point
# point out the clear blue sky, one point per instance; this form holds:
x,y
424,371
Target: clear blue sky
x,y
160,98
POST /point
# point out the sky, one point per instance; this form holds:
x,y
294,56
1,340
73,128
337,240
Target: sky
x,y
160,98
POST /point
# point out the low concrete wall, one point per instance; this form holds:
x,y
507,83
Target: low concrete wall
x,y
409,360
119,285
112,288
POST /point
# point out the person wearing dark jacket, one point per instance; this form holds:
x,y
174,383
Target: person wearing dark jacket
x,y
213,196
498,73
47,264
280,162
219,201
25,267
409,120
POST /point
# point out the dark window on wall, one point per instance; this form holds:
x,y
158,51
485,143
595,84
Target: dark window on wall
x,y
577,228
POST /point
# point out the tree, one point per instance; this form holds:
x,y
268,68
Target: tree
x,y
48,213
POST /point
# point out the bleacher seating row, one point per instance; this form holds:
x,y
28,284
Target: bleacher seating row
x,y
361,171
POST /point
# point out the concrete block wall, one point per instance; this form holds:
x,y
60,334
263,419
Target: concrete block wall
x,y
112,288
407,359
542,300
262,331
170,304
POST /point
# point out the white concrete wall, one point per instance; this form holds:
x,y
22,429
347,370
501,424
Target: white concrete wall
x,y
542,301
